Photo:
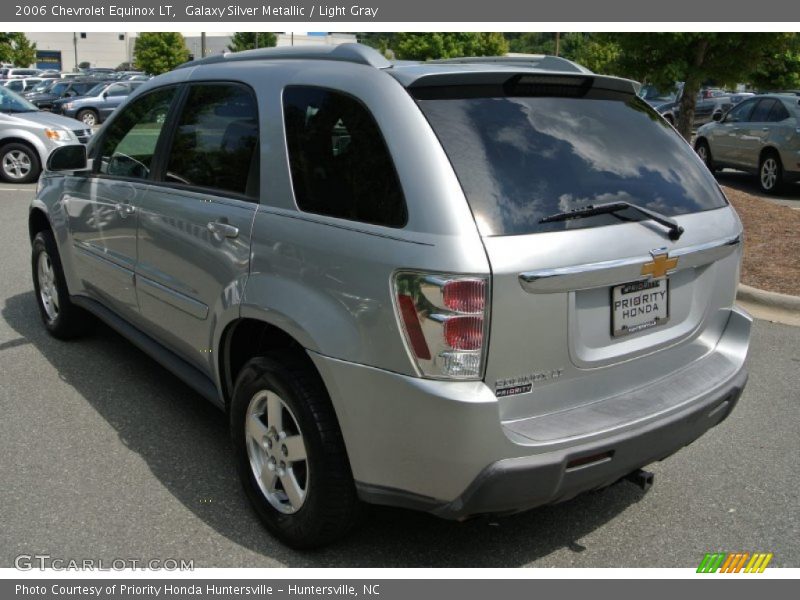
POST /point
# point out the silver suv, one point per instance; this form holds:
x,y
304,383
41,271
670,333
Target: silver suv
x,y
463,287
761,135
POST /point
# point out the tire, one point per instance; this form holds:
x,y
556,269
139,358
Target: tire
x,y
704,152
60,316
770,173
318,504
19,163
88,117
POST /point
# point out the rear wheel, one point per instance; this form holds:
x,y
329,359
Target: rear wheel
x,y
19,163
290,452
61,317
770,173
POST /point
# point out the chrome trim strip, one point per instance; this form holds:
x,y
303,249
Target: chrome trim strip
x,y
611,272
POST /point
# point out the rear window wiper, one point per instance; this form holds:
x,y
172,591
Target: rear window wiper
x,y
611,208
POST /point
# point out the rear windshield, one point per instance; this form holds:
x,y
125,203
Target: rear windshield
x,y
520,159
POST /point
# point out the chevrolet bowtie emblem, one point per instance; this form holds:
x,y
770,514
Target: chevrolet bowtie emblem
x,y
660,266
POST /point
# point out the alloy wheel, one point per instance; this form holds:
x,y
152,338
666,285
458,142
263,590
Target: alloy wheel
x,y
48,292
277,452
16,164
769,173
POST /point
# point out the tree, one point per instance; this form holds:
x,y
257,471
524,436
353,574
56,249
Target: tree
x,y
428,46
692,57
159,52
17,49
247,41
779,70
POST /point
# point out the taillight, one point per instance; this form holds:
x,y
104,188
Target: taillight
x,y
444,321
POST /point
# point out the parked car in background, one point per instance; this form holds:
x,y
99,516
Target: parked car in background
x,y
43,85
27,135
464,287
98,103
760,135
710,104
64,88
18,73
20,86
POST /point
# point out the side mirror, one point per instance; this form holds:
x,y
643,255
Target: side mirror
x,y
105,95
717,117
68,158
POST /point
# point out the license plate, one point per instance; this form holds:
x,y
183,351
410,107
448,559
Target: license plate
x,y
639,305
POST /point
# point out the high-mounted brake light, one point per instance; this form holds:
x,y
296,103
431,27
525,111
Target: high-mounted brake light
x,y
444,321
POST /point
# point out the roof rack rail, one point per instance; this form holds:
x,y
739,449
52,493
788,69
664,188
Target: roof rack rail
x,y
354,53
545,62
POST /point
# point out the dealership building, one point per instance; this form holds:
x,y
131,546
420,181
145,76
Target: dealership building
x,y
65,50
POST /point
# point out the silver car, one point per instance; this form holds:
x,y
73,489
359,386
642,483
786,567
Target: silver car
x,y
761,136
28,135
460,287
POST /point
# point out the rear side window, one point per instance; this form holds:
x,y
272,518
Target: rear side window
x,y
129,143
216,141
520,159
338,158
778,112
762,110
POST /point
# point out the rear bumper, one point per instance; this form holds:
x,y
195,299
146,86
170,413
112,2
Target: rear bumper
x,y
521,483
441,446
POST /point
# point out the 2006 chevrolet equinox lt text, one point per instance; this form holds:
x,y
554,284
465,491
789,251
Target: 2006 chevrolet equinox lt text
x,y
467,287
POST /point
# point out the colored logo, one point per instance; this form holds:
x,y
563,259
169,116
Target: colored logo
x,y
660,266
734,562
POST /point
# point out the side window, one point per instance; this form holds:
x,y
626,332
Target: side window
x,y
129,143
216,140
762,110
741,112
339,161
117,90
778,112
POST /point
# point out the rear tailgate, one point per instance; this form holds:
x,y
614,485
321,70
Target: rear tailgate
x,y
588,308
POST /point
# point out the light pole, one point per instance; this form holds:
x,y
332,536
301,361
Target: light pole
x,y
75,46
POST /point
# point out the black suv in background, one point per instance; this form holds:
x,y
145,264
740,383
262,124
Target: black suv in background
x,y
60,90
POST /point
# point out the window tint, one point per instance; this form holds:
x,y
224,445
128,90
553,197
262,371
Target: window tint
x,y
129,143
520,159
762,110
778,112
339,161
216,141
117,90
741,112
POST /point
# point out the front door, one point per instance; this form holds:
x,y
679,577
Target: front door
x,y
103,208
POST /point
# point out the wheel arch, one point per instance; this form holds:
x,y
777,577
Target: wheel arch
x,y
30,141
246,337
38,221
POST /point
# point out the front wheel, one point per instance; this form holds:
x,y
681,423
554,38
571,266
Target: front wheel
x,y
290,452
704,152
88,117
19,163
61,317
770,173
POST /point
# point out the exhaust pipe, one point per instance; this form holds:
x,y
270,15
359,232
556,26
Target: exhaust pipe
x,y
641,478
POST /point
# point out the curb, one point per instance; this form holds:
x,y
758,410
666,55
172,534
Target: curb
x,y
768,299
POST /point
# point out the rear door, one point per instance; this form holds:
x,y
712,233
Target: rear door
x,y
194,227
587,307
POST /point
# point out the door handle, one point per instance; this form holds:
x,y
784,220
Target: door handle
x,y
765,129
222,230
124,209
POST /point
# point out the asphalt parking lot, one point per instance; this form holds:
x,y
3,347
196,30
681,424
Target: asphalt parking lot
x,y
105,455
